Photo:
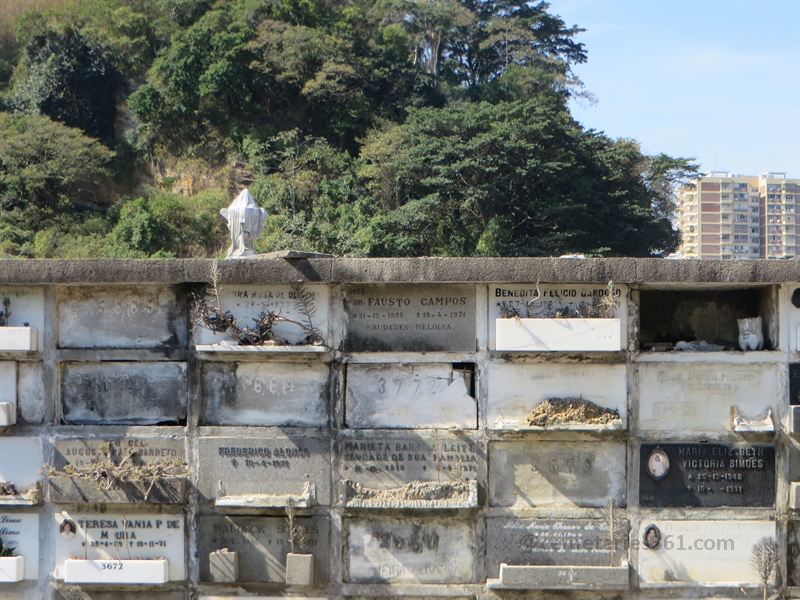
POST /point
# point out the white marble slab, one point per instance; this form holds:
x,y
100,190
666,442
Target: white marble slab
x,y
515,389
117,571
20,531
554,296
410,396
558,335
247,302
547,474
20,461
27,306
701,552
8,381
409,551
108,537
697,398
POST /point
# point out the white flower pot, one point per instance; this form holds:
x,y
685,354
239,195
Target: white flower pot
x,y
110,571
558,335
299,569
8,414
19,339
12,568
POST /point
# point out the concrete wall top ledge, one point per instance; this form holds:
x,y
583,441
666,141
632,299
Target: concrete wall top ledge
x,y
400,270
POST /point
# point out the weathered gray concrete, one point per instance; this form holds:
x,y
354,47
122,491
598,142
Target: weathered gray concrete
x,y
396,270
398,497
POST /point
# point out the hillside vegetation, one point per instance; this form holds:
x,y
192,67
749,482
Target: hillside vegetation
x,y
364,127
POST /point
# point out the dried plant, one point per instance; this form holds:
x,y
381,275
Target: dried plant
x,y
5,312
765,556
210,315
612,514
601,307
296,533
5,550
508,310
437,452
7,488
109,474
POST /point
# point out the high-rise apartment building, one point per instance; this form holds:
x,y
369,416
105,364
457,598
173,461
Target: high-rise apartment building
x,y
725,216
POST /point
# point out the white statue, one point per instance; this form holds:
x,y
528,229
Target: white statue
x,y
751,337
246,222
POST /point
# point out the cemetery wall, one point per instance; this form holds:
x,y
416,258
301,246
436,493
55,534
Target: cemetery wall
x,y
403,422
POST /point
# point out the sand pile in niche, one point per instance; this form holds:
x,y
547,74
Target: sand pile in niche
x,y
414,490
558,411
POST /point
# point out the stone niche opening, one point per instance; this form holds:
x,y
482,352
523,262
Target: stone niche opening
x,y
669,316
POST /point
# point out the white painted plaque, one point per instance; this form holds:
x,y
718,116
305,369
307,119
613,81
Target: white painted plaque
x,y
701,552
267,393
247,302
20,461
516,389
114,536
20,532
409,551
544,474
27,306
410,396
697,398
553,297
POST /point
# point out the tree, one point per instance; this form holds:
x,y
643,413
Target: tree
x,y
69,76
513,178
765,558
41,160
44,165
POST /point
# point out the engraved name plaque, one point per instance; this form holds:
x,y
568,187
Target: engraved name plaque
x,y
410,318
706,475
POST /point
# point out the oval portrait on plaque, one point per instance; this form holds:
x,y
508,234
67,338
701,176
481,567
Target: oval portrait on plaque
x,y
652,537
658,464
68,529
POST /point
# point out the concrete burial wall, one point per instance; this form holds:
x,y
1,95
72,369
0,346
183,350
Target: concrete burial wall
x,y
405,440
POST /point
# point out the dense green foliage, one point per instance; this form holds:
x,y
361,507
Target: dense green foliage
x,y
366,128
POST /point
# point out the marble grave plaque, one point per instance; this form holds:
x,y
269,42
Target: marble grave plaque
x,y
553,297
118,536
698,398
134,450
577,542
266,469
700,552
410,318
390,460
570,474
408,551
266,394
20,462
262,544
81,452
8,382
706,475
247,302
124,393
408,396
20,533
121,317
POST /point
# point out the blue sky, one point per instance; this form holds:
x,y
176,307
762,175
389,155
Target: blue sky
x,y
714,80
